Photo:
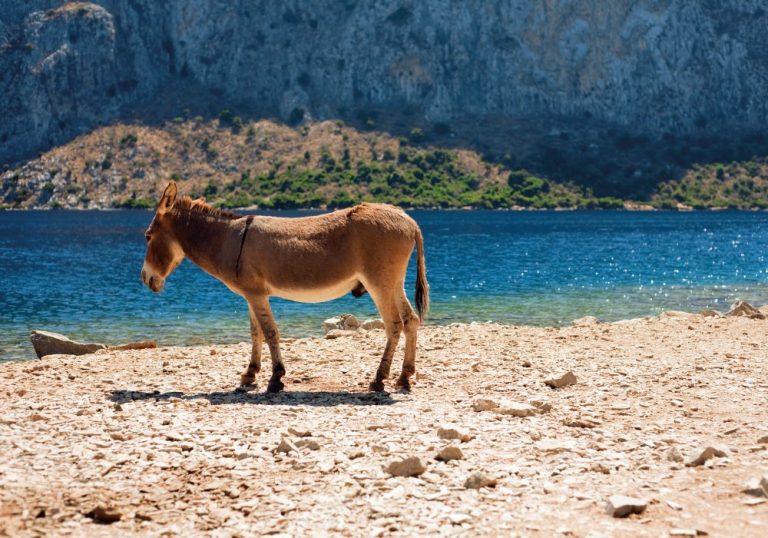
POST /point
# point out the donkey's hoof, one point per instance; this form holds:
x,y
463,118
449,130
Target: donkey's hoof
x,y
275,385
247,379
403,383
376,386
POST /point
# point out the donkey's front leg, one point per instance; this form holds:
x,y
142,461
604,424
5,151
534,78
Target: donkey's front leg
x,y
260,306
257,339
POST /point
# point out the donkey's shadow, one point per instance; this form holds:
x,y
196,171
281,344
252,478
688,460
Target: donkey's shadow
x,y
305,398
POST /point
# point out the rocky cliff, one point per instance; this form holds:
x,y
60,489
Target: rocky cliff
x,y
648,65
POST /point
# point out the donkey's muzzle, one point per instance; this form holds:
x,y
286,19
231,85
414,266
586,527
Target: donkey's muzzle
x,y
153,282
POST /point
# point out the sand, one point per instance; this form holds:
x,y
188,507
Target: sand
x,y
157,442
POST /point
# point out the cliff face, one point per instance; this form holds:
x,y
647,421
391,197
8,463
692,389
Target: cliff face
x,y
649,65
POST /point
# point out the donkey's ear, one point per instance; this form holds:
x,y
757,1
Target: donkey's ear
x,y
169,196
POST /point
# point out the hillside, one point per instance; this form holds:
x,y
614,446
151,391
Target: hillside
x,y
648,67
238,164
244,163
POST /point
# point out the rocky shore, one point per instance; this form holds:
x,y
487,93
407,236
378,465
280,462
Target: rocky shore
x,y
649,427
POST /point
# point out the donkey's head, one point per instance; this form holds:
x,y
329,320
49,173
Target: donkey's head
x,y
164,253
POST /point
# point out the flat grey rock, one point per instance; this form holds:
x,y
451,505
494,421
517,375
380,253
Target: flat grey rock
x,y
49,343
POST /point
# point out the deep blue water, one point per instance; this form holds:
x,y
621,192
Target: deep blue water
x,y
78,273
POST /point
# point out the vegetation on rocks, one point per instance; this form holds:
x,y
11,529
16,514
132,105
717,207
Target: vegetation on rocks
x,y
238,163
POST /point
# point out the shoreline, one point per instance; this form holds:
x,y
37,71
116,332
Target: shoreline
x,y
161,440
644,209
197,342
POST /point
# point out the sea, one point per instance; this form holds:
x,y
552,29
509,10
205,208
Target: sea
x,y
77,273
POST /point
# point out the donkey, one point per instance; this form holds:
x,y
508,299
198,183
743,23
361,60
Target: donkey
x,y
308,259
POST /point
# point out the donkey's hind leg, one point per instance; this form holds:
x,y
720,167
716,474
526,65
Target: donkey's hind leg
x,y
269,330
411,328
393,326
257,338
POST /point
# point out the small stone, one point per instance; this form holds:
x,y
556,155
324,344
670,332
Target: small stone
x,y
105,514
299,433
345,322
449,433
743,308
673,455
676,314
371,324
586,321
449,453
517,409
581,422
683,532
674,506
709,313
763,440
286,446
338,333
764,484
622,506
484,404
331,324
353,455
700,457
544,406
479,480
308,443
411,466
755,488
564,380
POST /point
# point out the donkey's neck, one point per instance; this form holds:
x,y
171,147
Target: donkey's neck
x,y
209,241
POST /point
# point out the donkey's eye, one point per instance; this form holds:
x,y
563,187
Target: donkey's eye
x,y
147,237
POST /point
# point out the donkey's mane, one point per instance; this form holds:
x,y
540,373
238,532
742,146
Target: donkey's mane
x,y
201,207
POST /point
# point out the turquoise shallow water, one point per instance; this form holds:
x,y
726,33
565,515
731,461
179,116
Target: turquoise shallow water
x,y
78,273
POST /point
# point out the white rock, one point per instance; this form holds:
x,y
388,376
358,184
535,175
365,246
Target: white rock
x,y
516,409
338,333
622,506
411,466
564,380
673,454
332,323
586,321
677,314
755,488
371,324
683,532
344,322
349,322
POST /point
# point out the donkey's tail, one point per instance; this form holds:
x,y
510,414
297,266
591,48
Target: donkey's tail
x,y
422,286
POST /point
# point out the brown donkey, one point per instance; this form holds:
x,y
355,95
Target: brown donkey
x,y
308,259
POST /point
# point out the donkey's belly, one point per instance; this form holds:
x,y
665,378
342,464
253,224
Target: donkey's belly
x,y
315,295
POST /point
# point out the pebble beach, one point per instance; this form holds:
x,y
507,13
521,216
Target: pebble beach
x,y
646,427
